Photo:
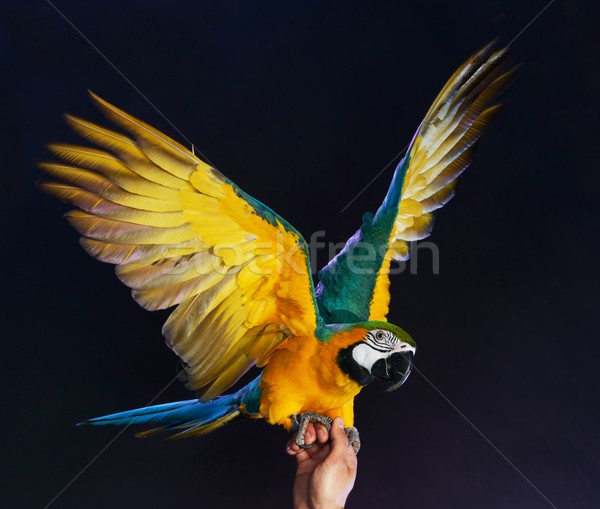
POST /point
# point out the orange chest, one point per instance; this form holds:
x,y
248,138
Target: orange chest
x,y
303,375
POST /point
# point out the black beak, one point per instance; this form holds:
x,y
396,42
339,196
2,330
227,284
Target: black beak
x,y
394,369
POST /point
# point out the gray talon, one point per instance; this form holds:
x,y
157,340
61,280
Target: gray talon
x,y
353,438
301,421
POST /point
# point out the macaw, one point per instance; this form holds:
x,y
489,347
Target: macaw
x,y
182,234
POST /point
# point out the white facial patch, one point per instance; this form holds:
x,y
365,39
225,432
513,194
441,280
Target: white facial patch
x,y
366,356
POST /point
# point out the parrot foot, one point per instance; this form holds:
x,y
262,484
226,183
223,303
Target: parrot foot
x,y
353,438
301,421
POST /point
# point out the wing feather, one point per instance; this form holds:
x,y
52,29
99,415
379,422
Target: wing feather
x,y
442,148
183,235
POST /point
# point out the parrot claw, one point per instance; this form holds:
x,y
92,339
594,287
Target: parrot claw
x,y
301,421
353,438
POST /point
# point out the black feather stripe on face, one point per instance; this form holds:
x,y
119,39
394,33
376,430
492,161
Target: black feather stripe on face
x,y
349,366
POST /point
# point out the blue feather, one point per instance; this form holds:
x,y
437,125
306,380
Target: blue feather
x,y
187,415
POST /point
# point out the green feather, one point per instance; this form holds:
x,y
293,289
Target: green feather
x,y
347,282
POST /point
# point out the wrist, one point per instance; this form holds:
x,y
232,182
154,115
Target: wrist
x,y
318,505
326,504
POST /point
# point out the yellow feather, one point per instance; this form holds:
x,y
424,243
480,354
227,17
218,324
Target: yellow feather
x,y
110,230
381,296
103,187
162,150
165,296
113,169
202,430
181,234
102,207
230,375
441,150
127,151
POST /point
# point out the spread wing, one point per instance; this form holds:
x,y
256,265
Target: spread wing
x,y
354,286
181,234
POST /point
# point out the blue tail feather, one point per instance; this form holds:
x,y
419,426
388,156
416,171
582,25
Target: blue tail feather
x,y
191,416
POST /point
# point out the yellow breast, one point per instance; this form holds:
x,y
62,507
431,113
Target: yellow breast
x,y
303,375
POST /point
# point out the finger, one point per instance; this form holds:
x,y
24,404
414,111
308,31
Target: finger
x,y
311,435
322,433
292,447
339,442
351,460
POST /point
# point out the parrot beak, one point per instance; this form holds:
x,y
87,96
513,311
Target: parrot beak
x,y
394,369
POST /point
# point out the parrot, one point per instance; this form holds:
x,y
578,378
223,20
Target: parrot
x,y
182,235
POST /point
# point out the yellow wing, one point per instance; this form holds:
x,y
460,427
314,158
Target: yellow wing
x,y
182,234
423,181
441,150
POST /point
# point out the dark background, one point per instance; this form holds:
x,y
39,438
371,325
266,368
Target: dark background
x,y
301,104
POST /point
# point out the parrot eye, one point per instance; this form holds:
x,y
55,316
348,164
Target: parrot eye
x,y
381,340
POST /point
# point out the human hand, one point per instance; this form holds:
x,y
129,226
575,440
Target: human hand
x,y
325,473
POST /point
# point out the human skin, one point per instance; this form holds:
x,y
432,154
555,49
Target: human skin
x,y
326,472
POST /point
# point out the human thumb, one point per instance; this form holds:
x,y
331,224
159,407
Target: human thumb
x,y
339,442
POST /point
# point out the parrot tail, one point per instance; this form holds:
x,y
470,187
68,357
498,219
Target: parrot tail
x,y
189,418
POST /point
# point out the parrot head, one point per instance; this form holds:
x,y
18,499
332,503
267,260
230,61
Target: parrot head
x,y
384,352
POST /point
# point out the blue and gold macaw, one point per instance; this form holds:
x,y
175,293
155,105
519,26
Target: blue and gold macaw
x,y
182,234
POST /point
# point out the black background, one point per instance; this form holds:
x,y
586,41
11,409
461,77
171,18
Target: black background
x,y
302,104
